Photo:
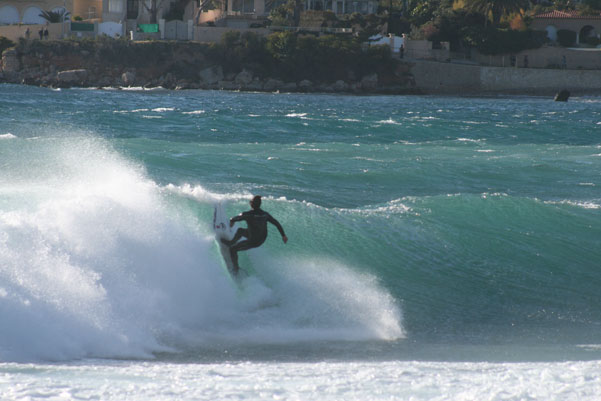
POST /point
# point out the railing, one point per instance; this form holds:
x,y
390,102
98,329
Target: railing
x,y
310,29
242,14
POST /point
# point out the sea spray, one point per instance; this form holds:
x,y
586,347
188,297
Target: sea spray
x,y
100,261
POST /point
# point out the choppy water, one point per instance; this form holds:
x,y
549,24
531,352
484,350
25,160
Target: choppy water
x,y
439,247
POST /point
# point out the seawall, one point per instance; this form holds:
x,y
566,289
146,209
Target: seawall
x,y
451,78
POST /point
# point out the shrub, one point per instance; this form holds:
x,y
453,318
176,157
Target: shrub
x,y
594,4
517,23
429,31
566,37
5,43
500,41
294,57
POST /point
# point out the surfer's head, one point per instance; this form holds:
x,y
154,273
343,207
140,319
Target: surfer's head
x,y
255,203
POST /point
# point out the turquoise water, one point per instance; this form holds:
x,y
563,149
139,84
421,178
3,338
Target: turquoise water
x,y
421,228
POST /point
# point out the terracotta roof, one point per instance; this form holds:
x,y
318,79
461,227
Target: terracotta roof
x,y
566,15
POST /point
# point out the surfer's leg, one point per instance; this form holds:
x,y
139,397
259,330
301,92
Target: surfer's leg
x,y
241,232
240,246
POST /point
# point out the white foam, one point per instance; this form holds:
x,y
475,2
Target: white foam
x,y
7,136
96,262
469,140
130,111
321,299
389,121
346,380
580,204
201,194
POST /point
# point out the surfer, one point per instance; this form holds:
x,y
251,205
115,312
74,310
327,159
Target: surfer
x,y
256,232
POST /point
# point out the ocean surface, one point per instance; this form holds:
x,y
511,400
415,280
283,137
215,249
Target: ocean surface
x,y
440,248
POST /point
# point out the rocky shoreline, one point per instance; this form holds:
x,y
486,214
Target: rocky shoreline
x,y
171,66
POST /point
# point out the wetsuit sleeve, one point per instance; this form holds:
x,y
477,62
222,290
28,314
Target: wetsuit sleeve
x,y
277,224
240,217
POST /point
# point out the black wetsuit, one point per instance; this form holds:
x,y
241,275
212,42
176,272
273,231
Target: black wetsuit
x,y
255,234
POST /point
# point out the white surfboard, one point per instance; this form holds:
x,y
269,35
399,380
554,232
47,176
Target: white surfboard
x,y
221,226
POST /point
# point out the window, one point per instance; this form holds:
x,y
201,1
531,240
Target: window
x,y
115,6
132,9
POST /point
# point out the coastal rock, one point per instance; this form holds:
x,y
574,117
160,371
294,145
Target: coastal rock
x,y
244,78
128,78
369,82
104,82
562,96
10,62
185,84
211,75
305,85
72,76
255,85
340,86
228,85
273,85
290,87
355,87
167,81
325,88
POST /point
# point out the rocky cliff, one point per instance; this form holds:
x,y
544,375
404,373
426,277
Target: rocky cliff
x,y
173,65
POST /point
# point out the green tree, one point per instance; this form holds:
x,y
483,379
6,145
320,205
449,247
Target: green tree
x,y
55,16
594,4
5,43
497,8
422,11
176,10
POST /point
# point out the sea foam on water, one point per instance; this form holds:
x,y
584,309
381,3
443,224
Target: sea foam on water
x,y
97,263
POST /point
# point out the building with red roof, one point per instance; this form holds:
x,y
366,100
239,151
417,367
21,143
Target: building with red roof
x,y
585,26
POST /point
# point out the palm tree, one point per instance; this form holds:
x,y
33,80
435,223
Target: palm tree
x,y
497,8
153,9
55,16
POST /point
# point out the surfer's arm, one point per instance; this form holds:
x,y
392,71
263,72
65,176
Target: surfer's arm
x,y
279,227
240,217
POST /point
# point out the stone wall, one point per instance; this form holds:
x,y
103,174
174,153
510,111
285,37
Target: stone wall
x,y
423,49
434,77
546,57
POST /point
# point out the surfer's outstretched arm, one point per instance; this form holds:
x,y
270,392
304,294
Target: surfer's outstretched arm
x,y
240,217
278,226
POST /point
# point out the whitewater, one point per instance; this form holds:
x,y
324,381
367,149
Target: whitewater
x,y
440,247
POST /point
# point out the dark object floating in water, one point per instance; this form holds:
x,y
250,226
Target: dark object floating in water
x,y
562,95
